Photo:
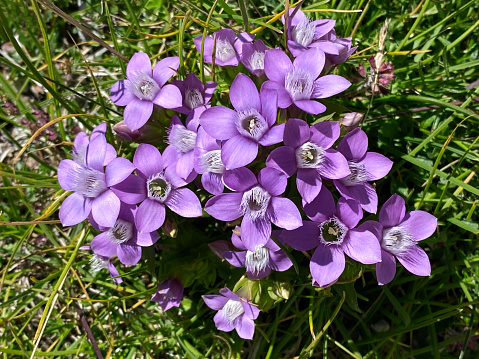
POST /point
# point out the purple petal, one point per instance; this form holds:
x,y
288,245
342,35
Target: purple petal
x,y
377,165
184,202
128,254
106,208
238,151
323,27
118,170
240,179
392,212
185,164
213,182
219,122
279,261
284,213
114,273
419,224
269,105
276,65
74,209
127,212
147,160
165,69
326,46
95,153
311,60
362,246
284,98
259,274
236,259
334,165
225,207
296,132
245,327
303,238
354,145
295,48
349,212
120,95
273,136
140,62
150,216
132,190
110,154
255,232
208,47
65,169
327,264
309,183
169,97
175,180
310,106
415,260
282,159
229,294
272,180
147,239
364,193
250,310
329,85
103,246
244,94
215,302
222,323
325,133
210,88
171,156
137,113
322,208
386,269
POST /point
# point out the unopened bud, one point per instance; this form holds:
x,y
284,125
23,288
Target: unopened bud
x,y
351,120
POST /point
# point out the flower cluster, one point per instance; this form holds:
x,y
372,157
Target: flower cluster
x,y
252,163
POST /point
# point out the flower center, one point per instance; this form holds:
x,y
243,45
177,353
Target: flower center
x,y
181,138
121,232
224,50
257,261
97,263
88,182
193,98
303,33
299,84
143,86
332,231
256,61
158,187
358,174
251,124
232,310
255,202
309,155
211,162
396,240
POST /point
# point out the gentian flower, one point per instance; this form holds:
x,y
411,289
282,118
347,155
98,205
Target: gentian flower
x,y
308,150
91,185
298,83
250,124
123,238
168,294
228,47
144,87
98,262
234,312
82,140
398,233
332,232
364,166
259,263
253,57
258,201
208,162
156,187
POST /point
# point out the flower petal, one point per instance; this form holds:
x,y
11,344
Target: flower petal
x,y
420,225
364,193
137,113
329,85
327,264
150,216
272,180
255,232
103,246
245,327
95,153
169,97
238,151
269,105
282,159
118,170
184,202
132,190
322,208
219,122
325,133
215,302
354,145
386,269
377,165
392,212
65,170
147,239
308,182
273,136
279,261
349,212
128,254
276,65
296,132
236,259
284,98
213,182
311,60
310,106
74,209
239,179
147,160
225,207
120,94
106,208
244,94
416,261
303,238
284,213
362,246
334,165
222,323
165,69
140,62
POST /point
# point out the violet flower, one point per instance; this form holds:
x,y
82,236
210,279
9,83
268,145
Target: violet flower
x,y
208,162
253,57
168,294
91,185
145,87
364,166
228,47
250,124
308,150
82,140
332,232
398,233
298,83
98,262
156,187
259,263
258,201
234,312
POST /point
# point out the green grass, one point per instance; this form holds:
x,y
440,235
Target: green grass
x,y
428,124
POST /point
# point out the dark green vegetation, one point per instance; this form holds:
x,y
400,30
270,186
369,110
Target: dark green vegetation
x,y
428,124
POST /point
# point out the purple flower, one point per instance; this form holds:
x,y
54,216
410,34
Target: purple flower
x,y
332,232
253,57
297,82
180,152
90,183
398,233
208,162
250,124
308,150
343,46
259,263
364,166
144,87
156,187
228,47
98,262
168,294
234,312
82,140
258,201
122,239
